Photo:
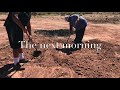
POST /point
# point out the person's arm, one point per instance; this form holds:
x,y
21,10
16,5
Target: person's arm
x,y
29,31
72,29
72,23
29,28
17,21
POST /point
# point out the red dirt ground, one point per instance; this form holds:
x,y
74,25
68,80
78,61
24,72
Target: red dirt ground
x,y
84,63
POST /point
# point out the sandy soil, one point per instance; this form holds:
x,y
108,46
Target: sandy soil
x,y
52,63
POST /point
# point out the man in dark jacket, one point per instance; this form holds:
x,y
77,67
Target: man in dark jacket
x,y
15,24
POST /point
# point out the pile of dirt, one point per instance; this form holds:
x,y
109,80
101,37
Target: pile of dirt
x,y
53,63
57,64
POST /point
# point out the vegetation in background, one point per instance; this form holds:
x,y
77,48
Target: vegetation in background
x,y
66,13
97,17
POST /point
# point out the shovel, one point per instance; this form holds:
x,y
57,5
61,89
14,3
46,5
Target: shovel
x,y
67,39
36,53
69,36
68,49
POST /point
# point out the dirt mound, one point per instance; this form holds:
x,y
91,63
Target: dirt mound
x,y
47,72
53,63
57,64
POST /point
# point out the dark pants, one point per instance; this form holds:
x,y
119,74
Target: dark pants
x,y
79,35
15,34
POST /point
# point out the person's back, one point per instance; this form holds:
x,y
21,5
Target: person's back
x,y
9,21
24,17
78,24
77,21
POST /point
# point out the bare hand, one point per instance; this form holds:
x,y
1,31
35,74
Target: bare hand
x,y
30,39
72,30
25,30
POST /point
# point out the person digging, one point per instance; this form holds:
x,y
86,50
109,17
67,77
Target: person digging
x,y
78,25
15,24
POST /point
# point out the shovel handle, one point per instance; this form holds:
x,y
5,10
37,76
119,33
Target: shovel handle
x,y
29,37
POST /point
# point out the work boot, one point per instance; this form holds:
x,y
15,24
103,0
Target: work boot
x,y
75,48
17,66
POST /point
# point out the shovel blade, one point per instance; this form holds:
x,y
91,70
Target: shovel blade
x,y
36,53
